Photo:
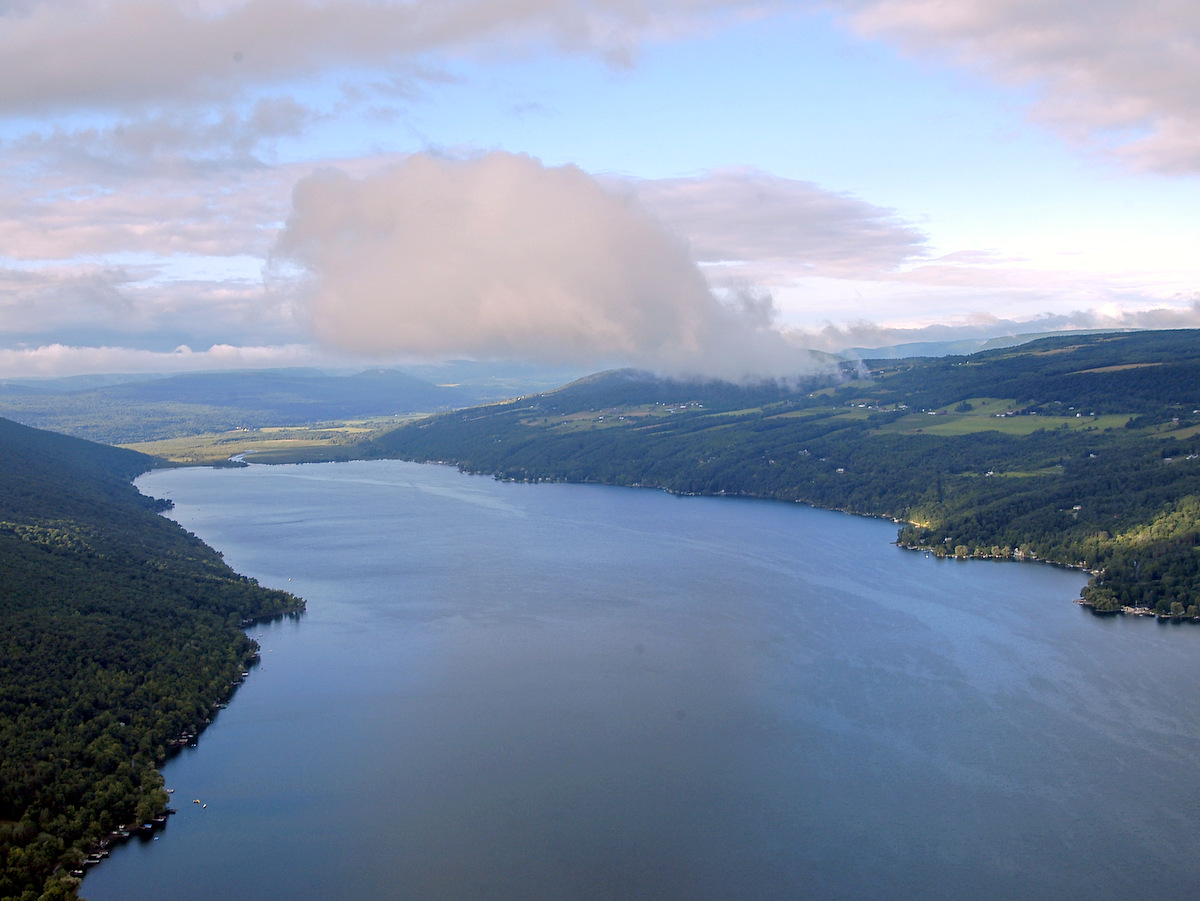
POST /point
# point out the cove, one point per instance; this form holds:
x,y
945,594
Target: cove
x,y
512,691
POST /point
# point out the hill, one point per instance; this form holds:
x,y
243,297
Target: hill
x,y
1082,450
119,633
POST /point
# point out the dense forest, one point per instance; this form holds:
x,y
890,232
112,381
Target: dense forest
x,y
1080,450
119,633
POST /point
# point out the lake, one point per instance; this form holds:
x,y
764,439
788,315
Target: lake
x,y
517,691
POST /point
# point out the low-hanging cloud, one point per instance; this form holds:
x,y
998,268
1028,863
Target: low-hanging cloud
x,y
57,360
502,257
864,334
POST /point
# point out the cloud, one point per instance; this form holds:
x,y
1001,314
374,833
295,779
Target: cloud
x,y
746,215
1117,77
67,54
62,302
165,184
141,220
978,326
1120,77
502,257
54,297
146,185
56,360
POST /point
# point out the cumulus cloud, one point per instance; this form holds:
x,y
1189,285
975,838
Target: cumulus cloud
x,y
500,256
1123,77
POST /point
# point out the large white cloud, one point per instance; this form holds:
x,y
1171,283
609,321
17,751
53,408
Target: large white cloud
x,y
500,256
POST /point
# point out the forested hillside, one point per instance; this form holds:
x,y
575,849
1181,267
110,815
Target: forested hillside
x,y
118,635
1080,450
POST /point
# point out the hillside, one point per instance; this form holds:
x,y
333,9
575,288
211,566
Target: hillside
x,y
1082,450
119,633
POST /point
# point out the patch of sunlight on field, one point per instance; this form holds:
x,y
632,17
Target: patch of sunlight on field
x,y
804,414
641,414
1180,433
987,415
1031,473
953,426
1120,368
858,415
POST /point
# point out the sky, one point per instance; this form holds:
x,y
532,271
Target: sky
x,y
696,187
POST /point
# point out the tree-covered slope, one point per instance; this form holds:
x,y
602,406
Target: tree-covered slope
x,y
1081,450
118,633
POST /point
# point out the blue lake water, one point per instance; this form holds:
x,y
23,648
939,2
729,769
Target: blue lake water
x,y
513,691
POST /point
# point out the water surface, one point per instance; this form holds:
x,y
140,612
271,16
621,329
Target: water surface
x,y
511,691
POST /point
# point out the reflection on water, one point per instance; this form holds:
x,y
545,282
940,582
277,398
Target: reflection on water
x,y
553,691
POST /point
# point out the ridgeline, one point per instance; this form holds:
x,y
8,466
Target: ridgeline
x,y
119,632
1083,451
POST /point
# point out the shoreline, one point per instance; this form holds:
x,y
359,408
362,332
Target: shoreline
x,y
187,738
1023,557
1016,556
1138,611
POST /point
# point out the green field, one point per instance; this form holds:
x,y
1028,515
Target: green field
x,y
989,414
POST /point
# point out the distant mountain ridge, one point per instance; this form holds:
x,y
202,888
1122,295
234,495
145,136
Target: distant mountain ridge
x,y
148,409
